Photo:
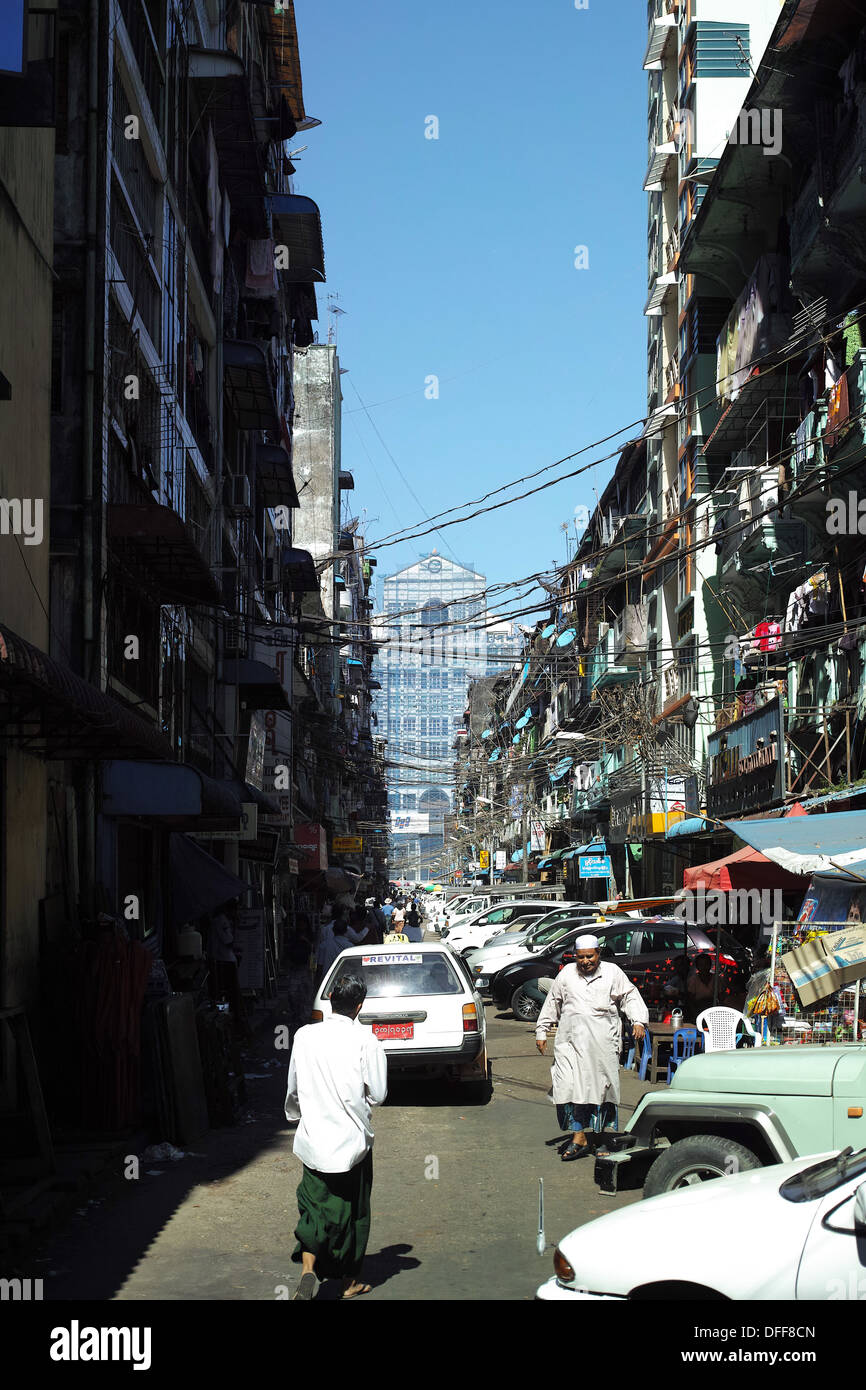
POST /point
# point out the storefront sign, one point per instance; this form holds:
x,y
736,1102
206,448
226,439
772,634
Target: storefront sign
x,y
500,859
409,823
347,844
311,837
256,753
745,763
594,865
536,837
248,828
250,941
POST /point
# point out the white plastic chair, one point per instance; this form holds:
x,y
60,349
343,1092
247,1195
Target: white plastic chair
x,y
719,1026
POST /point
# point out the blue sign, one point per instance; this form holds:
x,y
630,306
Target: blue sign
x,y
12,17
594,865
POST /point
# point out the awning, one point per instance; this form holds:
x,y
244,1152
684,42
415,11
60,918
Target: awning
x,y
297,225
693,825
548,631
832,845
199,883
259,686
744,869
527,716
299,571
164,545
562,767
47,710
176,793
249,386
566,638
274,478
222,90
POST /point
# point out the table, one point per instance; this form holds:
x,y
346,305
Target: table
x,y
660,1033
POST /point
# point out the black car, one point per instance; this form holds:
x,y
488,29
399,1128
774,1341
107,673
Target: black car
x,y
647,950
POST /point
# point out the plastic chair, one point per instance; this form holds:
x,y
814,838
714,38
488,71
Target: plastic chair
x,y
645,1056
719,1027
685,1043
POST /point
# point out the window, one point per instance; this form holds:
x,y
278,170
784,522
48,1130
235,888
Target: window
x,y
662,939
618,942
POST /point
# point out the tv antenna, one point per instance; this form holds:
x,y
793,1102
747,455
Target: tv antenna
x,y
334,313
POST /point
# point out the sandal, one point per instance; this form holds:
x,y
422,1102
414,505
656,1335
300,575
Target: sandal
x,y
364,1288
575,1151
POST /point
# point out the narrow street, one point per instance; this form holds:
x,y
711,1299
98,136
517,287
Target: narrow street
x,y
220,1226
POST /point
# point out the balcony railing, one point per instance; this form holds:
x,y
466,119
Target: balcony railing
x,y
146,50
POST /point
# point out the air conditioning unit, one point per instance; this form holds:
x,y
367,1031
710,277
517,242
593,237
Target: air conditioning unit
x,y
239,500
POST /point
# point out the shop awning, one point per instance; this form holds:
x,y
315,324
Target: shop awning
x,y
743,869
259,686
693,825
562,767
297,225
49,711
832,845
249,386
175,793
164,545
199,883
299,571
274,478
222,90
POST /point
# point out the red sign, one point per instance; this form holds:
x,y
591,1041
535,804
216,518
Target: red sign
x,y
311,837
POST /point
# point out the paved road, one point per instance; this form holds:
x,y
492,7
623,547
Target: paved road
x,y
454,1199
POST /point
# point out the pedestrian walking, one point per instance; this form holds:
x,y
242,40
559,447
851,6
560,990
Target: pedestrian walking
x,y
412,926
585,1001
346,933
337,1071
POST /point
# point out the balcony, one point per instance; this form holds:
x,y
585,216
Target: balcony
x,y
603,668
630,636
827,245
622,539
829,439
756,537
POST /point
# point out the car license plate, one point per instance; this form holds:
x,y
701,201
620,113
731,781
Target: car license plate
x,y
482,982
386,1032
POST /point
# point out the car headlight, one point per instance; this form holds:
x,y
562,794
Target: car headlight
x,y
562,1268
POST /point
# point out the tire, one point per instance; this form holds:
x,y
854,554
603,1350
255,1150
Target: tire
x,y
699,1158
524,1007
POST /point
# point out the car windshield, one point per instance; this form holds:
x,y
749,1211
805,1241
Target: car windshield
x,y
823,1177
554,927
399,974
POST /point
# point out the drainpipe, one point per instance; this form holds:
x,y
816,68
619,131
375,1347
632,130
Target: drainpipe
x,y
90,626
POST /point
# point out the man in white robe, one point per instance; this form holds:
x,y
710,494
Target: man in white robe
x,y
585,1001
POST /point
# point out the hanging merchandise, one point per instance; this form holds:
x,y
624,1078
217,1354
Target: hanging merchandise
x,y
837,413
769,634
261,276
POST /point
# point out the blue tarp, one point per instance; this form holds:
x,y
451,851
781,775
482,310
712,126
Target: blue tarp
x,y
693,825
833,845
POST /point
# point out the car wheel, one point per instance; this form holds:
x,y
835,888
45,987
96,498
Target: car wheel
x,y
523,1006
699,1158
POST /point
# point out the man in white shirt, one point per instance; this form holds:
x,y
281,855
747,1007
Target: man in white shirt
x,y
337,1071
585,1000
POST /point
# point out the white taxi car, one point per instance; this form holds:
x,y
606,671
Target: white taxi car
x,y
422,1006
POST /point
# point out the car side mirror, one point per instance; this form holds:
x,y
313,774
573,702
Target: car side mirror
x,y
860,1205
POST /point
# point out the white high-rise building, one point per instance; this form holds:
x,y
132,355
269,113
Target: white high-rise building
x,y
434,643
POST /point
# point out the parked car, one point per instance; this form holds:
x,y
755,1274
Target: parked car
x,y
494,921
636,948
809,1215
741,1109
476,902
486,963
422,1006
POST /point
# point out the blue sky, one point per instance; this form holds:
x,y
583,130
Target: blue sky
x,y
454,257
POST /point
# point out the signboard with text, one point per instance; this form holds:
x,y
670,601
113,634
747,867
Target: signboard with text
x,y
594,865
347,844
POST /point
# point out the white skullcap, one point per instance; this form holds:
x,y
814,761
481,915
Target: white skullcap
x,y
583,943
